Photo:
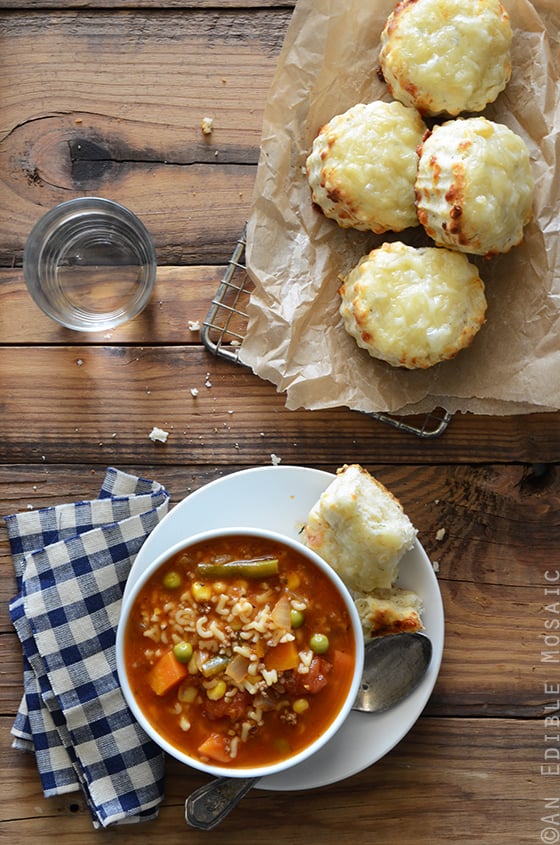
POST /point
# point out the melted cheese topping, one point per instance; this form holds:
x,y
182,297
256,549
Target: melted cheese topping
x,y
363,164
474,187
447,56
390,611
413,307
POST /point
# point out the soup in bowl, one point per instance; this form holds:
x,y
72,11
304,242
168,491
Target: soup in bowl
x,y
240,652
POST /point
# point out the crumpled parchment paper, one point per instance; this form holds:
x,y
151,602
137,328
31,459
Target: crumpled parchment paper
x,y
295,336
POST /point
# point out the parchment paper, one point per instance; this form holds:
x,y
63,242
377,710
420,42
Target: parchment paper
x,y
295,337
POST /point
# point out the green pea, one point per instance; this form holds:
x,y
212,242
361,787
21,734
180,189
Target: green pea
x,y
319,643
172,580
296,618
183,652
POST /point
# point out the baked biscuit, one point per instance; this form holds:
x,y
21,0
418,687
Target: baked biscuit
x,y
360,529
362,167
474,188
446,56
413,307
391,611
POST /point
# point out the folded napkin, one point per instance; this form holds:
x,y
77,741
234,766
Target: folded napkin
x,y
71,563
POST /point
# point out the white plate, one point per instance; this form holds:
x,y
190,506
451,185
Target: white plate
x,y
279,498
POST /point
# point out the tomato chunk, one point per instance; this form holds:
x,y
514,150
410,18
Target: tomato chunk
x,y
311,682
234,708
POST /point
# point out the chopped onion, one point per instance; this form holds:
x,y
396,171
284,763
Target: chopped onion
x,y
281,613
237,668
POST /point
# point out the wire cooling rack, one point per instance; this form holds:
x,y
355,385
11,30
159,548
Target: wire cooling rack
x,y
225,325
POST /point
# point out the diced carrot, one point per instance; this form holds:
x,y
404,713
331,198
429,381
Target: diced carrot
x,y
166,673
215,747
282,657
343,663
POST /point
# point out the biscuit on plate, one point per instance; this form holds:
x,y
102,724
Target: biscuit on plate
x,y
413,307
362,167
446,56
391,611
474,188
360,529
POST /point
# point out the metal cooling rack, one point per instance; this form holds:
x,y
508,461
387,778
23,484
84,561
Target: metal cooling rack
x,y
225,325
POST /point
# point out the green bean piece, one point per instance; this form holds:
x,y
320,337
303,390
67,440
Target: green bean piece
x,y
257,568
183,652
214,665
172,580
296,618
319,643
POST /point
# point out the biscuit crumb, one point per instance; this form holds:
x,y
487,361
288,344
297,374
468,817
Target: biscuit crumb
x,y
440,534
194,325
275,460
207,125
158,434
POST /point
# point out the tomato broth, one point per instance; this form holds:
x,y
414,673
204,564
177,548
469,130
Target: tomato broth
x,y
239,651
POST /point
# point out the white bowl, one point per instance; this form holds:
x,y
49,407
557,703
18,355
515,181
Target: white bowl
x,y
230,770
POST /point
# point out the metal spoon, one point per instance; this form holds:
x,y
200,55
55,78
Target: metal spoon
x,y
394,665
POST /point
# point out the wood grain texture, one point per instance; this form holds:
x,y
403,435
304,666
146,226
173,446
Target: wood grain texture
x,y
67,403
106,97
451,778
128,126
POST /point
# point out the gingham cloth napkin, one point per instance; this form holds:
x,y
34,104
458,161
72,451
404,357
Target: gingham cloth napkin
x,y
71,563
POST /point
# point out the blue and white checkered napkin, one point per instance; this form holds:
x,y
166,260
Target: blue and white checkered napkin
x,y
71,563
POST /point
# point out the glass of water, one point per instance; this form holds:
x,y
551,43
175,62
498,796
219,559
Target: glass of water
x,y
90,264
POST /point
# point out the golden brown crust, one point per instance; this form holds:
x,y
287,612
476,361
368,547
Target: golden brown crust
x,y
474,186
392,611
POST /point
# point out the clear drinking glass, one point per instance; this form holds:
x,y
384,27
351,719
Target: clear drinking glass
x,y
90,264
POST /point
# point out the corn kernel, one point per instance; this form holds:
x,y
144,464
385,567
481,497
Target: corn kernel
x,y
300,705
293,581
217,691
201,592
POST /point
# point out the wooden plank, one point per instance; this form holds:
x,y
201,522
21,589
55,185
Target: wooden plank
x,y
435,786
129,127
123,392
181,295
21,5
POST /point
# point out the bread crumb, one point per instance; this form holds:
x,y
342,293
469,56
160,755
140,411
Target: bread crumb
x,y
275,459
194,391
194,325
158,434
435,565
207,125
440,534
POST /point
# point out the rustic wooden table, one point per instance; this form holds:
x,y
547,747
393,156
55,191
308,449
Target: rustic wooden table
x,y
106,98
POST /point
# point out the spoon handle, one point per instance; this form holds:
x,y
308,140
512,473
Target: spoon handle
x,y
210,804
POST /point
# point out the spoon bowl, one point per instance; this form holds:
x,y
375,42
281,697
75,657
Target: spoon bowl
x,y
394,665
